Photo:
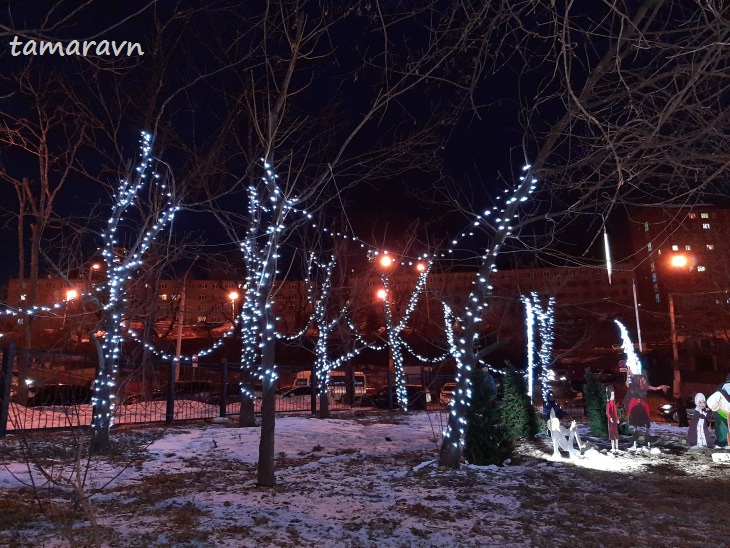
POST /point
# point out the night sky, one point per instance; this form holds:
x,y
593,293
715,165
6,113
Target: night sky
x,y
203,135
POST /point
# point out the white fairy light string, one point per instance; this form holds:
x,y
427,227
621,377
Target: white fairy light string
x,y
544,319
632,359
463,346
120,268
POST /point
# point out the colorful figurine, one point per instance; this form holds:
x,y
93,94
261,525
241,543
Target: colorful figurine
x,y
637,408
719,402
699,434
612,415
563,437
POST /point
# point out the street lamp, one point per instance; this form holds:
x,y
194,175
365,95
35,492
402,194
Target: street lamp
x,y
71,294
678,261
233,295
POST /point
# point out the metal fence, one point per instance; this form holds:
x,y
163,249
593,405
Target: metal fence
x,y
157,392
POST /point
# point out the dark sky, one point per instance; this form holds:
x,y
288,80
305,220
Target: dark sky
x,y
481,152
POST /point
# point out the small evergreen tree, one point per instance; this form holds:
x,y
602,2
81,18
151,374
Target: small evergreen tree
x,y
595,397
518,412
487,440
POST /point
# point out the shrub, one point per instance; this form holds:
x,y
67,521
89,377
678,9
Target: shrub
x,y
487,440
595,399
517,410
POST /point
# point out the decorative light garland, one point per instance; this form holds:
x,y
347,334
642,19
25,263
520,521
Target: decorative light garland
x,y
119,271
632,359
545,325
462,348
394,330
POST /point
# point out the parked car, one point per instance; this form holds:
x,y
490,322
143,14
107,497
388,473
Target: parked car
x,y
447,393
202,391
669,412
418,398
297,391
60,394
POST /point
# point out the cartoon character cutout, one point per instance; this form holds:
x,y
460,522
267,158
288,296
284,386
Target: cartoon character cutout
x,y
719,402
699,433
637,406
612,416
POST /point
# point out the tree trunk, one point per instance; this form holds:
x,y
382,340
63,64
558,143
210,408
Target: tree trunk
x,y
101,413
247,418
266,445
268,405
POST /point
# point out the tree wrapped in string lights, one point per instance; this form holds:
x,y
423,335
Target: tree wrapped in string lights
x,y
394,328
268,209
318,295
133,224
544,318
462,331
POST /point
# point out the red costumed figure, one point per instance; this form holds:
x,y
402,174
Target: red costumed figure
x,y
637,408
612,415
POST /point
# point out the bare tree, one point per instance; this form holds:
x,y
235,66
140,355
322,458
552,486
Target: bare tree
x,y
364,131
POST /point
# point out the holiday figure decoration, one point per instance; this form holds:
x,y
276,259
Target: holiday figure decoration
x,y
563,437
719,402
551,406
699,434
612,415
637,408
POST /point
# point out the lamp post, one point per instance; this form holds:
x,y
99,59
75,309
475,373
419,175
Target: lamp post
x,y
677,381
233,295
71,294
180,319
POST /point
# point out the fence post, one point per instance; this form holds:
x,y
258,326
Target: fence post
x,y
390,391
314,386
170,408
224,388
6,380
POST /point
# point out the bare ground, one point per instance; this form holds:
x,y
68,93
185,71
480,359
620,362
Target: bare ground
x,y
677,498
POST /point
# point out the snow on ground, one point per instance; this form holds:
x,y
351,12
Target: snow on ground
x,y
356,480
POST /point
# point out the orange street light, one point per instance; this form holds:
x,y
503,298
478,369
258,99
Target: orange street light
x,y
420,267
71,294
678,261
386,261
382,294
233,295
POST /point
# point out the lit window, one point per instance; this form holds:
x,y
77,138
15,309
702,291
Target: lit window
x,y
700,269
646,227
675,248
653,277
706,226
203,286
201,319
692,215
163,296
704,215
710,247
648,246
688,248
656,297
